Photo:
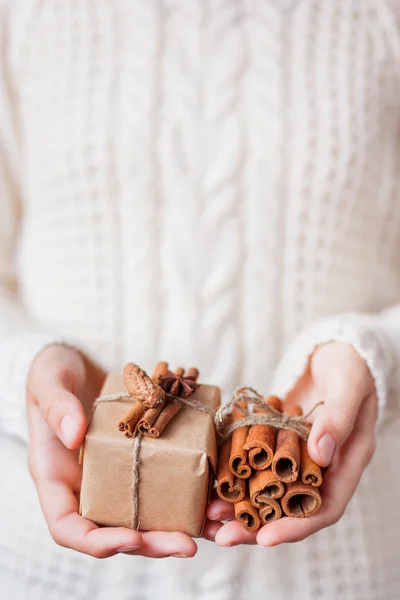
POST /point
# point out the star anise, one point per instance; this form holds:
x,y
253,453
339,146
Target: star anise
x,y
177,384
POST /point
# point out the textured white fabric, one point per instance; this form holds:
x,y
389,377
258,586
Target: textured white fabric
x,y
215,183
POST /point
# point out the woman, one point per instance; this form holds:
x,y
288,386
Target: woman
x,y
214,184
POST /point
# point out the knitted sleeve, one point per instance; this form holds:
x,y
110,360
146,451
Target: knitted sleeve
x,y
20,337
376,337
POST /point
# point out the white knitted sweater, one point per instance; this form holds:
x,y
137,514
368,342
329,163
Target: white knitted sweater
x,y
201,181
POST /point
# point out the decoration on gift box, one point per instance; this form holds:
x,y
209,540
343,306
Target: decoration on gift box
x,y
162,396
264,467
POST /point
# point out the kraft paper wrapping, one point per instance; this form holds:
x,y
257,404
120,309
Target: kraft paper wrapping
x,y
176,469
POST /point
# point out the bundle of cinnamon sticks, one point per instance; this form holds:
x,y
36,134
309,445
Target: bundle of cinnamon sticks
x,y
152,410
267,472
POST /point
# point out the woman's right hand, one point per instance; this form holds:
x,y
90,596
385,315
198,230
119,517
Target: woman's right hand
x,y
62,383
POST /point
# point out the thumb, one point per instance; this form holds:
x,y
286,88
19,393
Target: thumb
x,y
333,425
64,414
57,377
342,379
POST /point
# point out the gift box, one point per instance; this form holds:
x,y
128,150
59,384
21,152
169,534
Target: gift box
x,y
176,469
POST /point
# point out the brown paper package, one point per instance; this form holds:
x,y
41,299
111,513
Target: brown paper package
x,y
175,469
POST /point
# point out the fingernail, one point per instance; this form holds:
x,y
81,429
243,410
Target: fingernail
x,y
326,448
68,428
128,549
178,556
269,544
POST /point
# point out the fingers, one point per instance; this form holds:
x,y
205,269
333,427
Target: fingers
x,y
73,531
76,532
65,415
210,530
161,544
56,474
68,529
233,533
60,412
218,510
340,482
342,379
60,508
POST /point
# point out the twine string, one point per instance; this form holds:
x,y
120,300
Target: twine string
x,y
241,396
136,445
270,416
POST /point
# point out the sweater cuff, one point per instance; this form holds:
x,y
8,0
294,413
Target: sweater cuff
x,y
360,331
16,356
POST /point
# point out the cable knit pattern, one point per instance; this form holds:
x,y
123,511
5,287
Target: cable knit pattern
x,y
215,183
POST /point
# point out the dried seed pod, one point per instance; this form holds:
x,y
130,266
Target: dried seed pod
x,y
141,387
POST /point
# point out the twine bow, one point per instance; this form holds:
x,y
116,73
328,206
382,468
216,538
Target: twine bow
x,y
270,416
247,395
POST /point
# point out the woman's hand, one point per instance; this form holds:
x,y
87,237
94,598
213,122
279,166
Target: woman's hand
x,y
62,384
342,436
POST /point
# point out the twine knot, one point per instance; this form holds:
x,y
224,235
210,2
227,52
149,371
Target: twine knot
x,y
248,396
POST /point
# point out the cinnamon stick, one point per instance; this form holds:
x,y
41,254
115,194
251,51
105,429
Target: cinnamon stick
x,y
246,514
137,415
160,370
269,511
169,409
229,487
265,486
286,461
238,459
149,418
165,416
260,440
151,414
310,471
192,373
301,500
130,420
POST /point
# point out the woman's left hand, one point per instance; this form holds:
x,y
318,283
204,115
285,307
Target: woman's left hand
x,y
342,438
